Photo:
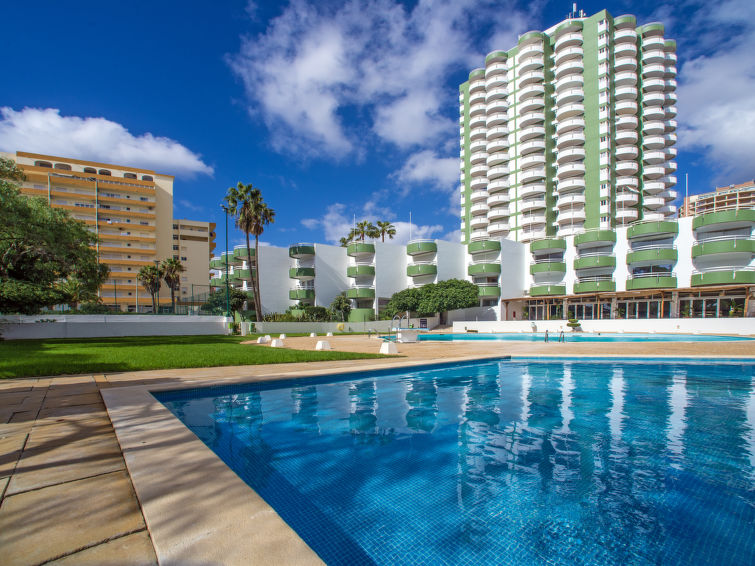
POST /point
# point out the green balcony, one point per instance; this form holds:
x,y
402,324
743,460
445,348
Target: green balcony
x,y
301,272
484,246
484,269
596,236
548,245
735,218
361,315
487,291
360,293
548,267
241,274
653,228
595,261
724,247
301,294
595,287
360,270
217,263
496,54
547,290
531,35
416,248
301,250
625,20
652,256
477,74
217,281
421,269
724,277
359,248
240,253
659,281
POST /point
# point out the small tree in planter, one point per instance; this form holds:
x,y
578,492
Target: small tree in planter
x,y
574,324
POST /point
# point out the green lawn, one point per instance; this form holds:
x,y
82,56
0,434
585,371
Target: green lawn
x,y
28,358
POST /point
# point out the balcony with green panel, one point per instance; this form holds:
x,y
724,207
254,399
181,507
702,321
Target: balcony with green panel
x,y
484,268
594,285
302,273
547,267
299,251
241,275
730,247
361,315
595,237
652,255
217,263
363,292
657,228
418,247
547,290
724,276
357,249
594,261
481,246
218,281
301,294
488,291
240,253
360,271
659,280
548,245
724,220
418,269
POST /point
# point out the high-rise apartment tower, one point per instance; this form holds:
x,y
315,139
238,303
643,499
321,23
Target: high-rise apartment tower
x,y
571,129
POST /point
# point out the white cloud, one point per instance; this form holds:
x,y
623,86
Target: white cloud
x,y
426,167
191,206
377,61
44,130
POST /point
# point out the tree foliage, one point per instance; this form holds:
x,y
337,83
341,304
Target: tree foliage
x,y
172,270
40,249
434,297
341,307
385,228
216,301
149,276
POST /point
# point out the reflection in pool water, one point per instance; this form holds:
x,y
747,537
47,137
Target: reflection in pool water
x,y
502,462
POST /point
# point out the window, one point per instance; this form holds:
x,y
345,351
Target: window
x,y
147,178
602,50
63,166
183,259
175,226
129,175
104,172
175,248
604,202
603,138
175,257
43,164
175,237
90,170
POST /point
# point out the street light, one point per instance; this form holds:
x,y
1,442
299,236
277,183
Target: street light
x,y
227,282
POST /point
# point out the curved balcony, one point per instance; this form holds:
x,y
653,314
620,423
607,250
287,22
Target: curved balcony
x,y
531,204
358,249
301,294
548,245
534,174
496,57
653,157
568,216
724,220
626,215
531,133
626,93
416,247
653,142
418,269
479,223
625,168
653,71
217,281
483,246
594,285
567,200
656,228
547,267
625,79
497,105
651,281
626,123
572,184
653,113
653,172
569,82
626,182
652,255
568,40
531,190
570,67
595,261
593,238
626,152
497,68
477,133
476,109
496,119
626,108
478,209
477,96
497,214
532,160
498,148
484,268
531,146
570,111
498,199
567,54
478,157
217,263
569,170
302,273
570,154
241,275
649,215
726,248
360,270
531,118
497,186
626,137
498,229
670,112
625,49
627,198
531,63
479,234
360,292
488,290
569,140
654,99
478,183
528,79
534,219
534,104
497,132
497,172
624,64
570,96
653,85
547,290
476,145
299,251
478,170
479,196
573,124
724,276
625,36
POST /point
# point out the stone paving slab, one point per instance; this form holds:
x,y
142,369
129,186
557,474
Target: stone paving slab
x,y
44,524
131,550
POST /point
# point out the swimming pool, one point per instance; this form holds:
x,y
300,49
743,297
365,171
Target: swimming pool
x,y
580,337
500,462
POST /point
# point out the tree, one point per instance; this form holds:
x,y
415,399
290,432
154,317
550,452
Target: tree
x,y
149,276
216,301
78,290
434,297
245,204
172,270
365,229
406,300
386,229
341,306
40,248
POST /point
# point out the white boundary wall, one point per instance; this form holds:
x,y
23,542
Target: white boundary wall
x,y
378,325
733,326
21,327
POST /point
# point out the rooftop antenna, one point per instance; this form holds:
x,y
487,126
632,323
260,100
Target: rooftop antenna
x,y
574,9
686,194
410,225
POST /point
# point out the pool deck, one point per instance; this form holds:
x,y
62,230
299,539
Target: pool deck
x,y
67,479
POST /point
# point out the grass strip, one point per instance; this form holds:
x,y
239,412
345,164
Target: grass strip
x,y
30,358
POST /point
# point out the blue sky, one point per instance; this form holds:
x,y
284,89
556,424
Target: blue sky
x,y
333,109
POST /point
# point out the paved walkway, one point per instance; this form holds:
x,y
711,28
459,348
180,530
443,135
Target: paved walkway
x,y
66,497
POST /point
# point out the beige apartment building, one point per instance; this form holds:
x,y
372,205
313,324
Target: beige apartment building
x,y
732,197
131,211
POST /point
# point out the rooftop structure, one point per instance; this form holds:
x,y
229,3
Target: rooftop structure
x,y
733,197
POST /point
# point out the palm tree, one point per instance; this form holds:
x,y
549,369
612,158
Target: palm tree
x,y
365,229
77,291
386,229
251,214
172,270
150,276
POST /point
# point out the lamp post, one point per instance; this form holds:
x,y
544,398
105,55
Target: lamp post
x,y
227,279
157,267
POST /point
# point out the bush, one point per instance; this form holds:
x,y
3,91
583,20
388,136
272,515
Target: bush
x,y
93,308
574,324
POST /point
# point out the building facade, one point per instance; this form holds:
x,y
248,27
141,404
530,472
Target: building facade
x,y
131,212
733,197
572,129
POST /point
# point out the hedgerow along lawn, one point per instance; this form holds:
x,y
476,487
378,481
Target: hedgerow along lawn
x,y
29,358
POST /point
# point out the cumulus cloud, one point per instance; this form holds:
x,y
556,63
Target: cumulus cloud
x,y
427,167
716,86
44,130
380,63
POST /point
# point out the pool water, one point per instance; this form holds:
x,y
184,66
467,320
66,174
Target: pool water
x,y
580,337
500,462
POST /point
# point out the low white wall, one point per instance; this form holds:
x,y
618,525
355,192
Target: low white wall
x,y
102,326
320,327
490,314
744,326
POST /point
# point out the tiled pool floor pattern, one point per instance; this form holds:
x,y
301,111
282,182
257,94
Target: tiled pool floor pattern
x,y
501,462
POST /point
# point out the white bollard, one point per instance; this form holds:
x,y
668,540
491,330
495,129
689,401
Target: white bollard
x,y
267,338
282,336
263,340
388,348
313,334
276,343
245,328
322,345
329,334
